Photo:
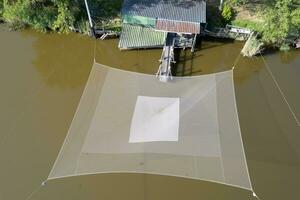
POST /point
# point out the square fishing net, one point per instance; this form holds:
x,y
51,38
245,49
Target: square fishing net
x,y
128,122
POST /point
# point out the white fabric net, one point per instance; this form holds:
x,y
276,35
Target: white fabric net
x,y
131,122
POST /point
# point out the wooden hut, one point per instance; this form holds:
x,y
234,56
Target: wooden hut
x,y
146,23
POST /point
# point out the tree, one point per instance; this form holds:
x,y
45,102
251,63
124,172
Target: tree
x,y
227,13
42,15
281,21
1,8
65,18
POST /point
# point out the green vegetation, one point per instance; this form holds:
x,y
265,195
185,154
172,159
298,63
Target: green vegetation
x,y
41,15
282,22
1,9
106,13
227,13
256,26
237,2
277,21
58,15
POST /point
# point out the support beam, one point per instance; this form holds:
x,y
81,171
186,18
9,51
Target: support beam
x,y
90,18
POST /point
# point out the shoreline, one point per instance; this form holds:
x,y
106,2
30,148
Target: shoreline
x,y
71,17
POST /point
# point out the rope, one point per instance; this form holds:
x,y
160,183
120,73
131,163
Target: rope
x,y
255,195
36,190
280,90
236,61
95,45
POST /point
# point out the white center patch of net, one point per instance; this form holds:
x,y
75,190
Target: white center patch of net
x,y
133,123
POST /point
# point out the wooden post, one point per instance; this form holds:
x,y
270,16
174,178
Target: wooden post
x,y
90,18
194,43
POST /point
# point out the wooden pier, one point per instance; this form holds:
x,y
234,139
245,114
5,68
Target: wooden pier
x,y
104,34
164,72
230,32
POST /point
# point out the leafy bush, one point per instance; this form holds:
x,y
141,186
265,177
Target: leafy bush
x,y
281,20
57,15
65,18
284,47
256,26
237,2
42,15
15,12
1,8
82,26
227,13
295,15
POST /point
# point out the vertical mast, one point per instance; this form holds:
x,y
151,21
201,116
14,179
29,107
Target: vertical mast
x,y
90,18
221,4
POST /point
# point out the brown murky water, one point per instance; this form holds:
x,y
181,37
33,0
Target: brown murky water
x,y
42,78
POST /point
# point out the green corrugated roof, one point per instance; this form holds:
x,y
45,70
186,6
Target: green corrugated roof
x,y
140,37
139,20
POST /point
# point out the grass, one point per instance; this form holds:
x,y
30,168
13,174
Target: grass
x,y
256,26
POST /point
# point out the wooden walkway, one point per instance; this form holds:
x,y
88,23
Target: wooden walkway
x,y
167,59
230,32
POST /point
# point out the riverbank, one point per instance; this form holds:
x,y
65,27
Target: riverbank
x,y
276,23
60,16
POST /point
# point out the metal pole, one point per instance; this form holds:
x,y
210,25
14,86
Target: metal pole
x,y
221,4
90,18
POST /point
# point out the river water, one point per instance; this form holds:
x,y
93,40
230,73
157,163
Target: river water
x,y
42,78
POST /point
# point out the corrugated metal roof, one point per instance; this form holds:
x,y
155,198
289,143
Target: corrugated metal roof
x,y
177,27
179,10
139,20
140,37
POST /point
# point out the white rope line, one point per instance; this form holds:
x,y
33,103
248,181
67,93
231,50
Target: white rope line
x,y
236,61
68,133
255,195
95,46
241,137
280,90
36,190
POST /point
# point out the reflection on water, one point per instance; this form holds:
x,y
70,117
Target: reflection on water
x,y
42,78
270,133
70,58
288,57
